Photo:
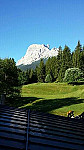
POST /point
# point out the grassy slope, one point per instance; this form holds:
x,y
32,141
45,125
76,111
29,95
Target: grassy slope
x,y
56,98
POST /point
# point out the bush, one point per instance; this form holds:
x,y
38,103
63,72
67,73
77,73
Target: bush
x,y
48,78
73,75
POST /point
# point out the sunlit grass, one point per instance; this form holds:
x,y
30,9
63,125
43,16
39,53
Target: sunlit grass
x,y
55,98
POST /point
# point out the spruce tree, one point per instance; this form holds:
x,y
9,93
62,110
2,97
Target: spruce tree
x,y
21,77
41,71
66,62
31,76
77,56
82,60
27,76
48,66
53,68
59,62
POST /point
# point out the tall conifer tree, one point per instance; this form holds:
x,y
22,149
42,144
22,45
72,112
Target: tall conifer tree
x,y
59,61
48,66
77,56
41,72
82,60
66,62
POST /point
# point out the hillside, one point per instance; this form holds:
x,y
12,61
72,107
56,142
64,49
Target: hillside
x,y
55,98
33,65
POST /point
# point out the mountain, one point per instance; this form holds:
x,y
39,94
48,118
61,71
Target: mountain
x,y
33,55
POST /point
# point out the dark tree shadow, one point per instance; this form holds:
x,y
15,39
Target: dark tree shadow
x,y
43,105
51,104
20,101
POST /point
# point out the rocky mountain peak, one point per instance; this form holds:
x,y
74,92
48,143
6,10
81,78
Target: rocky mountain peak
x,y
35,52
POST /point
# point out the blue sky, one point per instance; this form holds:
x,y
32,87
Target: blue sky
x,y
26,22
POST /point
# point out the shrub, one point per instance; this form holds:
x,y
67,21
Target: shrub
x,y
48,78
73,74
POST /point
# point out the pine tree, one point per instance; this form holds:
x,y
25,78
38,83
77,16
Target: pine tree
x,y
66,62
59,56
77,55
59,62
27,76
48,66
21,77
82,60
41,71
31,76
53,67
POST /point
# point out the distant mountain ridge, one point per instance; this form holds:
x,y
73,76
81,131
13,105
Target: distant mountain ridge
x,y
33,65
34,53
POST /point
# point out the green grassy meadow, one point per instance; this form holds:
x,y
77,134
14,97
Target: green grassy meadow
x,y
55,98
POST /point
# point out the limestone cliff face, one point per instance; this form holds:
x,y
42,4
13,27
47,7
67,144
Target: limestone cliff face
x,y
35,52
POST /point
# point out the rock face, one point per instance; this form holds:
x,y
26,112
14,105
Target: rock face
x,y
35,52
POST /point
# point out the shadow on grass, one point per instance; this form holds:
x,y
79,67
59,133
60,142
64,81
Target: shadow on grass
x,y
44,105
20,101
51,104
